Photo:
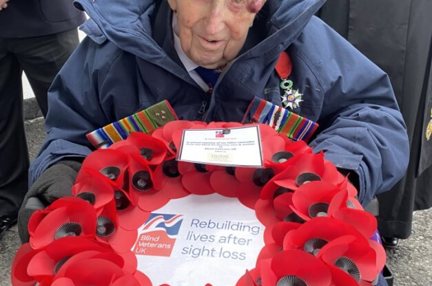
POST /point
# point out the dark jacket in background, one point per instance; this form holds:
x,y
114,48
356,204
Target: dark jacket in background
x,y
31,18
397,35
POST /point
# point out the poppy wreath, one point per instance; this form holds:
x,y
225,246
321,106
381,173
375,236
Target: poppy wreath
x,y
316,231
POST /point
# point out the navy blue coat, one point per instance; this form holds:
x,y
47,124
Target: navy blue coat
x,y
32,18
128,63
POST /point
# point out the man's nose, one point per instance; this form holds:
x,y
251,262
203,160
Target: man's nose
x,y
216,17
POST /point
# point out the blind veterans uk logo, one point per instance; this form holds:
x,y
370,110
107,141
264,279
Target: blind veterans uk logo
x,y
158,235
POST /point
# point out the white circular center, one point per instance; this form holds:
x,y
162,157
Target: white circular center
x,y
197,240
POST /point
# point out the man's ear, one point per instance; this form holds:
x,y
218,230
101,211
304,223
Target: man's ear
x,y
173,4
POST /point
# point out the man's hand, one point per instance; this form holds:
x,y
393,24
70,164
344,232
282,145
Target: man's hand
x,y
56,182
3,4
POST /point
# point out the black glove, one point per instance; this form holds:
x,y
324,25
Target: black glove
x,y
56,182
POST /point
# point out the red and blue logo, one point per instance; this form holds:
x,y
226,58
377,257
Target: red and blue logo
x,y
158,235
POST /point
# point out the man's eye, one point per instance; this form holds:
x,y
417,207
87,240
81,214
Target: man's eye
x,y
238,3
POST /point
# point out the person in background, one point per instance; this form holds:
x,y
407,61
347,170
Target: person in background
x,y
35,36
138,53
397,36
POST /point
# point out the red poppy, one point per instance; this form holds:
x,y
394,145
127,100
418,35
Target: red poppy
x,y
108,229
170,179
279,158
111,163
250,278
93,187
19,275
144,188
224,182
294,266
252,181
316,233
90,267
342,208
148,147
354,256
64,217
276,232
44,265
172,131
313,199
304,168
196,177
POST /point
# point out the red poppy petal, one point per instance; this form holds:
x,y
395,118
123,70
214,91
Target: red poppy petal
x,y
66,216
19,275
172,185
283,207
156,149
93,187
224,184
93,271
132,217
197,183
313,199
282,266
341,278
265,212
110,163
280,229
152,199
130,262
63,281
267,275
140,174
363,221
127,279
122,240
323,228
47,261
357,251
269,251
248,194
248,279
272,145
142,279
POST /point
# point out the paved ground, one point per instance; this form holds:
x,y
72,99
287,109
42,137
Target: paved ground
x,y
411,262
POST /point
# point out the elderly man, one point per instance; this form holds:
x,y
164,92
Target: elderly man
x,y
209,59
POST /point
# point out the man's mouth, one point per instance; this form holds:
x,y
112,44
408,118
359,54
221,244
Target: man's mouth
x,y
211,44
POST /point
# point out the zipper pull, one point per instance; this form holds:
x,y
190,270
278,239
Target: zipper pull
x,y
203,108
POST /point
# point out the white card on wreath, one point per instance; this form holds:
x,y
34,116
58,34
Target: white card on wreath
x,y
238,146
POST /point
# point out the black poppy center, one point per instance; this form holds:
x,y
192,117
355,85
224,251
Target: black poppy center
x,y
147,153
111,172
170,169
318,209
290,280
281,157
141,181
306,178
121,200
349,267
262,176
68,229
314,245
87,196
104,227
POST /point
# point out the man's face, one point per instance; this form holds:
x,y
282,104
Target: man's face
x,y
212,32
